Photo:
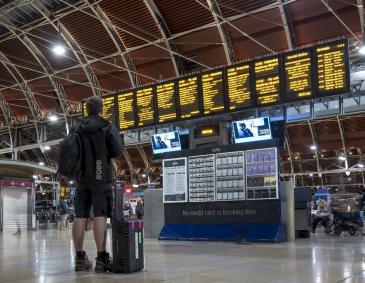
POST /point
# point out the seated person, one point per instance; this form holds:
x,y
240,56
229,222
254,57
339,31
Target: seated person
x,y
322,215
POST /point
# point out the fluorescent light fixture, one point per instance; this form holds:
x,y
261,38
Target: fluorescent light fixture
x,y
347,173
362,49
41,163
47,147
135,186
53,118
342,158
311,175
71,182
59,50
361,165
313,147
35,177
143,175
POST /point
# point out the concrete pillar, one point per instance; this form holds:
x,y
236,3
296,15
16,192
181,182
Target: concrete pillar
x,y
154,217
288,208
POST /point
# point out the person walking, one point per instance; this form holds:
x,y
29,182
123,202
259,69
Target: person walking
x,y
62,210
139,209
100,143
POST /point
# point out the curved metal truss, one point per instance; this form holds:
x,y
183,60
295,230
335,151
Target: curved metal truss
x,y
74,47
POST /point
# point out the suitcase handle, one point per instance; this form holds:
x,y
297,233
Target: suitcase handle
x,y
118,202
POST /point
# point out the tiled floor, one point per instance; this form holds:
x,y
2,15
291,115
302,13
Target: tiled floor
x,y
48,257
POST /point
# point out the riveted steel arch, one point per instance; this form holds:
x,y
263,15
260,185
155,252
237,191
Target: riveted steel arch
x,y
223,32
288,27
118,42
46,66
73,45
167,37
28,94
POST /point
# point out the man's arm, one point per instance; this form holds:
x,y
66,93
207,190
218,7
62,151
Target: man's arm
x,y
115,143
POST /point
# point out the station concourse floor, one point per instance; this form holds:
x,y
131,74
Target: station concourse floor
x,y
47,256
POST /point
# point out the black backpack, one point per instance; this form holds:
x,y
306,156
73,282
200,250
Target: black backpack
x,y
69,160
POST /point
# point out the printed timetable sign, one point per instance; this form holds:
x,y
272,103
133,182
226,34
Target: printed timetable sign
x,y
145,107
166,102
188,97
332,68
109,109
212,92
298,74
126,110
267,81
175,180
238,80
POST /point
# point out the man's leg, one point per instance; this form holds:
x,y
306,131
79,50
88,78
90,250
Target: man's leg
x,y
100,233
78,234
102,204
82,211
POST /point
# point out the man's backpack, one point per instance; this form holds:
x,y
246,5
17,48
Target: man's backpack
x,y
69,161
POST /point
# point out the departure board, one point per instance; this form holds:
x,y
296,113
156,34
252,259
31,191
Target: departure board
x,y
145,107
212,92
84,111
238,80
188,97
267,81
109,112
126,111
166,102
333,69
298,74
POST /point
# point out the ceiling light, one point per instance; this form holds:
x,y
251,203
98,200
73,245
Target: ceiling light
x,y
143,175
362,49
59,50
53,118
313,147
47,147
311,174
135,186
41,163
360,165
35,177
71,182
342,158
347,173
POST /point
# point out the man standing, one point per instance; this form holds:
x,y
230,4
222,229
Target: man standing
x,y
100,143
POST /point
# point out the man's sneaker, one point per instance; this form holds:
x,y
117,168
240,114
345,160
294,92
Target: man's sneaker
x,y
82,264
103,264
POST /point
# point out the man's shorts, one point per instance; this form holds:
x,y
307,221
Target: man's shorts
x,y
98,195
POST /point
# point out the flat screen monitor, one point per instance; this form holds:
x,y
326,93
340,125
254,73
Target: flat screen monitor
x,y
166,142
252,130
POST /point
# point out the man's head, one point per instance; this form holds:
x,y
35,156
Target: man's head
x,y
242,126
158,138
94,106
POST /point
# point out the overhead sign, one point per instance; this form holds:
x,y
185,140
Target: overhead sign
x,y
318,71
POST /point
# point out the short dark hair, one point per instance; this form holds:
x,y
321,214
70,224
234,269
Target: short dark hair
x,y
94,105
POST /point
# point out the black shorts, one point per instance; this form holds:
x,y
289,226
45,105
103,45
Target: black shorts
x,y
98,195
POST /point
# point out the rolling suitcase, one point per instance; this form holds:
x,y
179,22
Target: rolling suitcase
x,y
127,238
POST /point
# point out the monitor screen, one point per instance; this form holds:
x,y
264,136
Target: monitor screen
x,y
252,130
166,142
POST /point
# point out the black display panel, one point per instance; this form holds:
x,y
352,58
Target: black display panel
x,y
298,69
145,106
267,81
332,61
166,105
238,86
126,112
109,111
188,90
213,92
